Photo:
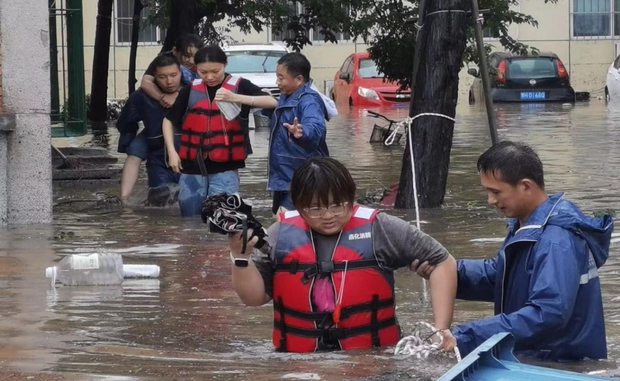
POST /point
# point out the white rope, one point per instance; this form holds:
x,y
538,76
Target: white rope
x,y
421,345
446,11
420,26
406,124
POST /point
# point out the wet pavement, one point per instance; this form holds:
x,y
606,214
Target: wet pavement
x,y
189,324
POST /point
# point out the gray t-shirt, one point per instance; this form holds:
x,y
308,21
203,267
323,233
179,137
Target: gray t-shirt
x,y
396,244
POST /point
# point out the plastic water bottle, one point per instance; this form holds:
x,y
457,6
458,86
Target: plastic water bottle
x,y
96,270
230,110
141,271
88,269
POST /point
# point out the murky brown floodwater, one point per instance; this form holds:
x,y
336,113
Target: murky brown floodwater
x,y
189,324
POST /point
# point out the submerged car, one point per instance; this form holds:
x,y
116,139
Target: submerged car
x,y
612,84
532,78
256,63
359,83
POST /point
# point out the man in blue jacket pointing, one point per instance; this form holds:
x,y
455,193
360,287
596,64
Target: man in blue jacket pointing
x,y
544,281
298,129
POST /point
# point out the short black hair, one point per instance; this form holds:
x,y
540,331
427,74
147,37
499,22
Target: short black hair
x,y
210,53
512,162
185,41
296,64
164,60
322,177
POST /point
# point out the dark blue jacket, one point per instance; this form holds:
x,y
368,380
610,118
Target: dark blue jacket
x,y
544,284
286,153
141,107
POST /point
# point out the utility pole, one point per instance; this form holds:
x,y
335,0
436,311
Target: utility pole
x,y
484,71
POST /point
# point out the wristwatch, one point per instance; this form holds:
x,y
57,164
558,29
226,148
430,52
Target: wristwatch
x,y
238,261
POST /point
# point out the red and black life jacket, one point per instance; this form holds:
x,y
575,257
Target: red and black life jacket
x,y
363,318
205,132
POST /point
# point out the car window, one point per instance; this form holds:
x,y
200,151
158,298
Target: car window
x,y
531,68
253,61
368,69
350,68
345,65
617,62
494,61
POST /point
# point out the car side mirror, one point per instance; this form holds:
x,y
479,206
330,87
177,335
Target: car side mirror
x,y
472,72
345,77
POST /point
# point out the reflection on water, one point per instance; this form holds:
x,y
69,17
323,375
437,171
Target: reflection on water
x,y
189,323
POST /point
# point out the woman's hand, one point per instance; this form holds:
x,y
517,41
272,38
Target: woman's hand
x,y
168,99
224,95
174,161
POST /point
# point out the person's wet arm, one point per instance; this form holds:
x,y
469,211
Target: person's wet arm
x,y
150,88
398,244
248,281
442,286
254,283
253,96
168,133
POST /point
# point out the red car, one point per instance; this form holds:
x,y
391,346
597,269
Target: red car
x,y
359,83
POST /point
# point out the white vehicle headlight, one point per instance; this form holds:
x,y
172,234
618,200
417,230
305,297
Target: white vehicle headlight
x,y
367,93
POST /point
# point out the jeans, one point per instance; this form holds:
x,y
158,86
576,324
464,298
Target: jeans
x,y
158,172
195,188
139,146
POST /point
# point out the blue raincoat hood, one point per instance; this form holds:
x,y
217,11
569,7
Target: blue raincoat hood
x,y
563,213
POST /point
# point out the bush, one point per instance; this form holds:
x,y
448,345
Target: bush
x,y
114,108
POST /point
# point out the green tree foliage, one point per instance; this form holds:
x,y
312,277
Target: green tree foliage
x,y
388,26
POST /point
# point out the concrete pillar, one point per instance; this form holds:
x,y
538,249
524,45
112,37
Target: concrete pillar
x,y
25,131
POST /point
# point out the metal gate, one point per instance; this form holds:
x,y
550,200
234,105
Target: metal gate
x,y
68,96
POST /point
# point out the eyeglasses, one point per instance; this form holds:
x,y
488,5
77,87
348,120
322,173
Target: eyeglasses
x,y
318,212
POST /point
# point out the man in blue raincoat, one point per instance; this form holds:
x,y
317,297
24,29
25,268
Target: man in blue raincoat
x,y
544,281
298,129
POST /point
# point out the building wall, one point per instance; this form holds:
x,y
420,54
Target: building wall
x,y
586,60
25,153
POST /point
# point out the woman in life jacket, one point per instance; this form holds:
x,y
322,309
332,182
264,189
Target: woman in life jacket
x,y
330,270
211,114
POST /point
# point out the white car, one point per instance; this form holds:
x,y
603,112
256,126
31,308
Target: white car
x,y
612,84
256,63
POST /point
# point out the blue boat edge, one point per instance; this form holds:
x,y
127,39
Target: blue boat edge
x,y
495,355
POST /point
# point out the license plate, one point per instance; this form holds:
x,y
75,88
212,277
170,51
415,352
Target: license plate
x,y
400,105
532,95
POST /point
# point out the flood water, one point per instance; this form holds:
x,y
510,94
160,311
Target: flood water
x,y
189,324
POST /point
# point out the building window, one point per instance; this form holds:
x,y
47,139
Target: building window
x,y
489,33
311,34
596,18
320,37
149,34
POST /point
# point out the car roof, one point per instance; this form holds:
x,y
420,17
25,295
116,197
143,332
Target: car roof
x,y
255,46
360,55
504,55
